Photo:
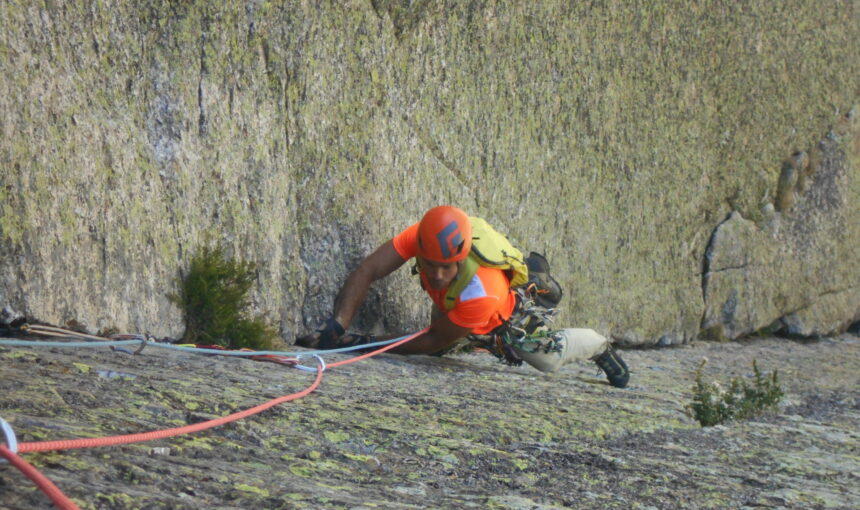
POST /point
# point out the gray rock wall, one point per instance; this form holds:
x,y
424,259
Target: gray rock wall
x,y
794,266
617,138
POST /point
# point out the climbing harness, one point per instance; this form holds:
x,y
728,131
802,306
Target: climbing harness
x,y
526,330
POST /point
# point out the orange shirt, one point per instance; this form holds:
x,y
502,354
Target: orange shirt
x,y
485,303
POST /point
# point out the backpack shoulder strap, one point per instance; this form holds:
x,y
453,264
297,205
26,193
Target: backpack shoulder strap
x,y
464,276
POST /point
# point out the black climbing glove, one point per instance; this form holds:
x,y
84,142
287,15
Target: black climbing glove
x,y
325,337
330,333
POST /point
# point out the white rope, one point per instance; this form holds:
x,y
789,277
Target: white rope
x,y
11,440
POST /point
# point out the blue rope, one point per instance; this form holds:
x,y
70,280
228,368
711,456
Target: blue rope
x,y
276,353
198,350
39,343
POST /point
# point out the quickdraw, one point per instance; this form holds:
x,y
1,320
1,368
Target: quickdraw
x,y
525,331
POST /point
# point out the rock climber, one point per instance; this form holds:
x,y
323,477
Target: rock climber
x,y
484,294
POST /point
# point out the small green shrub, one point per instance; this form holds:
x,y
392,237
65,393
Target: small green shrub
x,y
213,297
712,404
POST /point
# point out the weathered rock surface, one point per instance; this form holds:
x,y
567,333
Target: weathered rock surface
x,y
754,273
418,432
614,136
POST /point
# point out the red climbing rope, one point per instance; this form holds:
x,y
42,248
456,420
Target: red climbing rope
x,y
52,491
196,427
378,351
160,434
64,503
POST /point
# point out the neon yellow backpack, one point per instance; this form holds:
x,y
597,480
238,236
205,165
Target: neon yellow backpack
x,y
489,249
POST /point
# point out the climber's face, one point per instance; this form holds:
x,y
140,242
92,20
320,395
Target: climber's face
x,y
439,274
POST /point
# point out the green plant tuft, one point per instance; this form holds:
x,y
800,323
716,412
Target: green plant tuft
x,y
214,296
712,404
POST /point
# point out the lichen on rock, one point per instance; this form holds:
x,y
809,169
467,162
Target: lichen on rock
x,y
613,137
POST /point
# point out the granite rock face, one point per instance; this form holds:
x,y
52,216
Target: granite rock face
x,y
465,431
615,138
788,262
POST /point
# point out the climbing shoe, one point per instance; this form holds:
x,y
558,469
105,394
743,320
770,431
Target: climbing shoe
x,y
614,367
544,288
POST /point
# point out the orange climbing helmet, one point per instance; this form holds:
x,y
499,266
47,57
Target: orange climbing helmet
x,y
444,234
